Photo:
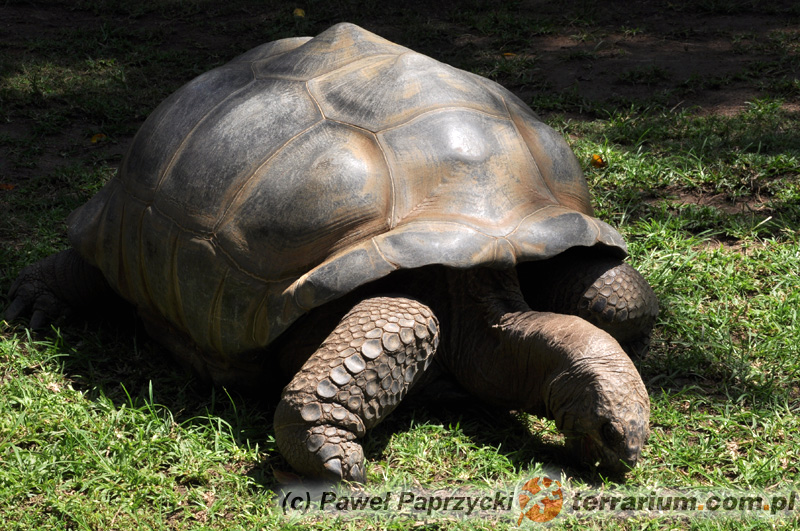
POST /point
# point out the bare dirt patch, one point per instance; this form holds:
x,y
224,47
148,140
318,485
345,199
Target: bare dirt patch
x,y
723,202
689,56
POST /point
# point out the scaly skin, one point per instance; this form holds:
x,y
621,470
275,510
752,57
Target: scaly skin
x,y
356,378
56,286
603,290
552,365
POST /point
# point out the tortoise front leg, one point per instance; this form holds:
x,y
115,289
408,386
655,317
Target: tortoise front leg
x,y
603,290
356,378
56,286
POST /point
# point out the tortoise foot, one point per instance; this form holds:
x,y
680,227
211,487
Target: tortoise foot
x,y
322,451
55,287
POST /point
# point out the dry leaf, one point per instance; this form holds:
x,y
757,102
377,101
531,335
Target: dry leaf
x,y
598,161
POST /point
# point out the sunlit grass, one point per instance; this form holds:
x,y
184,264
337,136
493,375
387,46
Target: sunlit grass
x,y
99,431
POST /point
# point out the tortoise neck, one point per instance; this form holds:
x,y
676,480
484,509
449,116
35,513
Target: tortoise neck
x,y
479,351
511,356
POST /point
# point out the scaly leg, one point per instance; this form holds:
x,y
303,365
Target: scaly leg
x,y
54,287
603,290
356,378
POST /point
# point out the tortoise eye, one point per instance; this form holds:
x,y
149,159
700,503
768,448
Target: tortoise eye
x,y
611,434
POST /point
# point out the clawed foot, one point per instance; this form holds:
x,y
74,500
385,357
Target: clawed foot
x,y
32,295
321,451
55,287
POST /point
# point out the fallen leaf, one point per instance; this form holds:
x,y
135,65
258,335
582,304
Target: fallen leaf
x,y
598,161
7,186
299,13
509,54
99,137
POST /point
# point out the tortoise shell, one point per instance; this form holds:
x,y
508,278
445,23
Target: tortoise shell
x,y
305,168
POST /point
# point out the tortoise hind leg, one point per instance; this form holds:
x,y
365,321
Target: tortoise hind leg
x,y
57,286
601,289
356,378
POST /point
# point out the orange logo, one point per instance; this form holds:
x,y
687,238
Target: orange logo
x,y
545,498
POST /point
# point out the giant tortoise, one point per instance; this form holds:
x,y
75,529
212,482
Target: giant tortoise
x,y
364,221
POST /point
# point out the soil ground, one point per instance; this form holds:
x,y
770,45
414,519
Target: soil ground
x,y
707,55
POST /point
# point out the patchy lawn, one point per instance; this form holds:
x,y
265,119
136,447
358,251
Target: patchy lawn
x,y
693,106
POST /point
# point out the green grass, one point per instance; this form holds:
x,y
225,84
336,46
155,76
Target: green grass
x,y
98,430
76,457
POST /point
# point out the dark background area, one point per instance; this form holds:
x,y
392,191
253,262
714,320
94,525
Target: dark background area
x,y
562,57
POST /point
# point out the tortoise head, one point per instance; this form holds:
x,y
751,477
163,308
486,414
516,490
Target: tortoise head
x,y
603,410
566,369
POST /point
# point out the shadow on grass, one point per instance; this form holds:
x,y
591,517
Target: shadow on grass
x,y
112,357
125,57
115,359
138,64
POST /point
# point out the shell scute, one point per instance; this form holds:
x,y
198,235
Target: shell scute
x,y
223,152
306,168
463,166
328,188
330,50
380,92
171,122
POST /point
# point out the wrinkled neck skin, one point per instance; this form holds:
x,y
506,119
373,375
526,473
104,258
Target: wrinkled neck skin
x,y
551,365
